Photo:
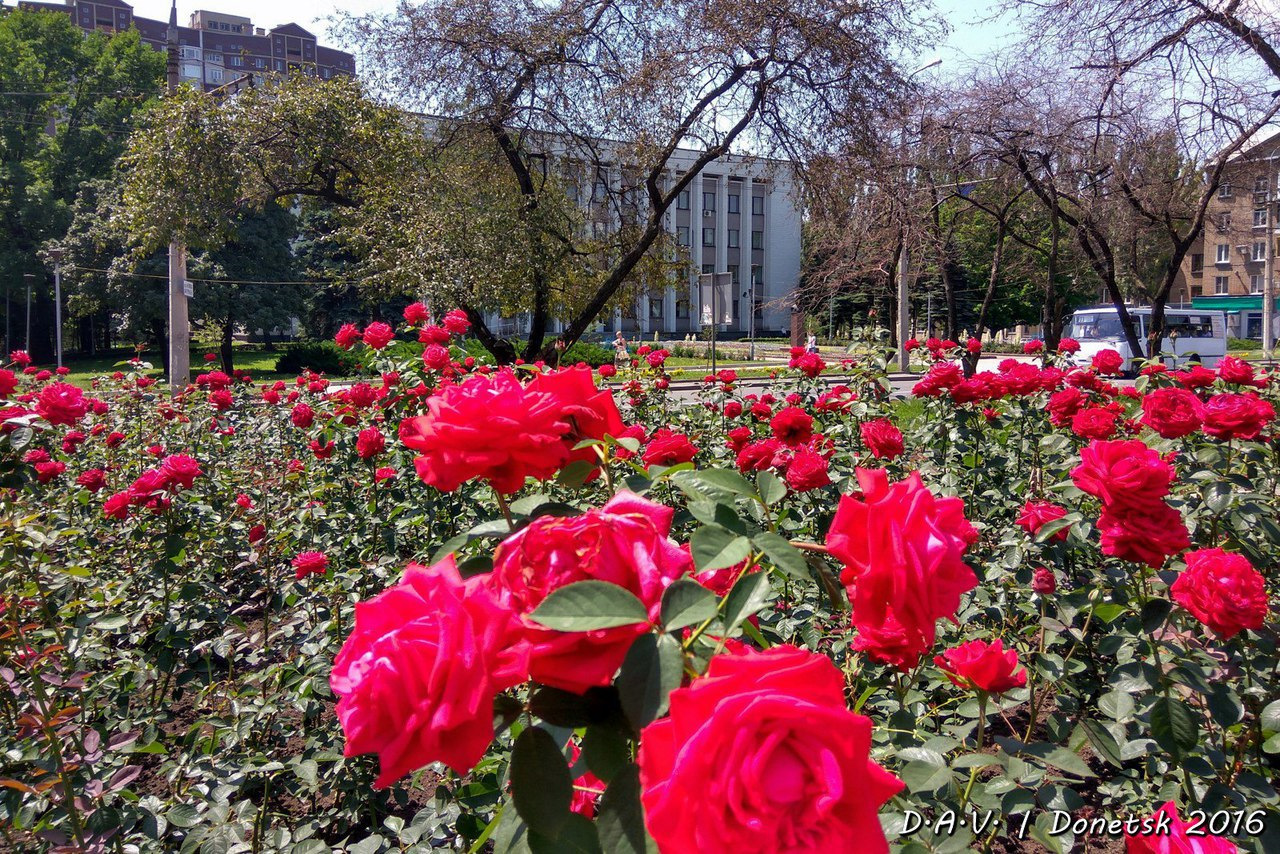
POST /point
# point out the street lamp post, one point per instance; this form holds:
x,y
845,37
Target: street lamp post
x,y
904,303
29,279
56,255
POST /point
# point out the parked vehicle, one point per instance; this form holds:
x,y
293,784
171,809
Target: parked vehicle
x,y
1191,335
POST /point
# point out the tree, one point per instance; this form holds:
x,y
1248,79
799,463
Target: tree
x,y
563,79
69,101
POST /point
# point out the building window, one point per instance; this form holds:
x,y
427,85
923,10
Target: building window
x,y
1224,221
599,191
757,240
708,201
733,238
733,274
214,57
733,203
237,61
1224,191
1259,250
257,63
708,268
655,309
1259,217
682,201
1224,253
708,237
1255,284
1197,290
215,75
757,205
682,235
1220,285
1260,184
757,275
682,309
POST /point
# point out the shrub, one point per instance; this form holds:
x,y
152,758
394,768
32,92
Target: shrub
x,y
323,357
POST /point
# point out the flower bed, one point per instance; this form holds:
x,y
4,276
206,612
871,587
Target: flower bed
x,y
453,607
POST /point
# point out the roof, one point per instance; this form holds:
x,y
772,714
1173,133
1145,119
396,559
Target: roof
x,y
292,30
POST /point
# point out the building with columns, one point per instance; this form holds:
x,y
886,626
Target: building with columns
x,y
737,229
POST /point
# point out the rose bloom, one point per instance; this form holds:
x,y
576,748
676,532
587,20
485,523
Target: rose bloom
x,y
60,403
370,443
1235,370
436,357
47,471
221,400
668,448
456,322
1176,840
1107,362
303,416
8,382
732,409
1064,404
981,666
1035,514
310,563
1122,473
347,336
1068,345
117,506
807,470
384,473
1223,591
417,677
1172,412
589,412
766,748
974,346
1095,422
92,479
626,543
737,438
415,313
322,450
607,371
1147,534
1029,347
903,555
487,428
1043,581
792,425
179,470
1230,416
941,377
882,439
378,335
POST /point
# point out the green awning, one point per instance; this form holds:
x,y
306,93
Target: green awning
x,y
1252,302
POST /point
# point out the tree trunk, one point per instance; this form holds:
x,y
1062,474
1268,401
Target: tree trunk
x,y
227,350
970,361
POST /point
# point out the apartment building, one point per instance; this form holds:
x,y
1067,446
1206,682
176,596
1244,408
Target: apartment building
x,y
1236,254
215,48
737,232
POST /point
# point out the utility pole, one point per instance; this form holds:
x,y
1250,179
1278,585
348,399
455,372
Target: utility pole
x,y
56,255
29,279
179,325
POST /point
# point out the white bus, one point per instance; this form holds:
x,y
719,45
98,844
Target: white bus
x,y
1191,335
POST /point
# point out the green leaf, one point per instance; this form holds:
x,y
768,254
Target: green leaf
x,y
631,443
1270,717
541,787
606,751
1173,726
685,603
750,595
183,815
652,669
1102,741
1154,613
576,473
1108,611
588,605
566,709
621,819
714,547
1048,529
578,836
772,488
782,554
724,479
925,775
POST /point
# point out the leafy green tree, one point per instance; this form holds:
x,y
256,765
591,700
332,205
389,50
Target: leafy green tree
x,y
68,105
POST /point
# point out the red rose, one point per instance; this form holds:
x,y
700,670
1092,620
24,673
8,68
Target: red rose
x,y
809,364
310,563
1148,534
1043,581
114,438
1230,416
1095,422
911,345
60,403
488,428
1235,370
456,322
668,448
1035,514
903,555
47,471
974,346
589,412
347,336
607,371
758,456
625,543
434,335
1029,347
1168,834
1223,591
1064,404
20,358
981,666
436,357
370,443
117,506
1107,362
322,450
384,473
882,439
1172,412
8,382
1068,345
302,416
378,335
417,677
766,747
415,313
179,470
256,533
92,479
941,377
792,426
807,470
1123,473
221,400
732,409
737,438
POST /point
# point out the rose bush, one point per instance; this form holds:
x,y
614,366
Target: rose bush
x,y
735,616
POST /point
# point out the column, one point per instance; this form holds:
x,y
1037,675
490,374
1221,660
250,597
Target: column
x,y
669,293
695,252
722,246
747,225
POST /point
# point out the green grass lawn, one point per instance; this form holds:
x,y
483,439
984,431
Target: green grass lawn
x,y
261,363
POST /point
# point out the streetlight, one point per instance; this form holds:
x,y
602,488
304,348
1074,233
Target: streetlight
x,y
56,255
904,303
29,280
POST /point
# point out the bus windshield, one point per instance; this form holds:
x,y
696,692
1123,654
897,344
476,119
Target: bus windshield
x,y
1095,327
